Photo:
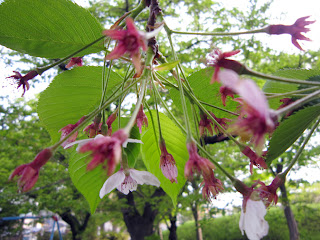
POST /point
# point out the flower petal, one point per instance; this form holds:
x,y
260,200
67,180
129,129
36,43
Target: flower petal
x,y
252,220
154,33
111,183
144,177
82,142
131,140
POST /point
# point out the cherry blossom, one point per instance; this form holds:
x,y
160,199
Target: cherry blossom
x,y
129,41
75,61
141,119
269,193
68,129
205,123
29,172
218,59
127,181
106,150
22,81
211,186
196,164
295,30
256,119
222,122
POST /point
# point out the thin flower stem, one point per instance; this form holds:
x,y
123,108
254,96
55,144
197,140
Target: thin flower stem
x,y
219,33
196,101
276,95
40,70
219,108
138,104
156,107
180,85
153,125
112,98
280,79
297,103
199,146
296,157
145,75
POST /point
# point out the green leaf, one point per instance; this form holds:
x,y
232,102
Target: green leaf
x,y
166,66
176,145
289,131
204,91
280,87
89,183
71,95
46,28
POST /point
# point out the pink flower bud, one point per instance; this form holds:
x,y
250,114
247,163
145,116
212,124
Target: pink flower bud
x,y
75,61
141,119
110,120
168,164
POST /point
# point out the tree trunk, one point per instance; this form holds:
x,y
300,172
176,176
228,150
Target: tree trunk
x,y
139,226
173,228
292,224
76,227
194,208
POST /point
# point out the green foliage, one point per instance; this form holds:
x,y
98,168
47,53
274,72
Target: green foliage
x,y
206,92
289,131
71,95
280,87
176,145
51,29
227,227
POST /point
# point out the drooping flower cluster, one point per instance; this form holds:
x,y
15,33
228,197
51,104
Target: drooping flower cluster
x,y
29,173
295,30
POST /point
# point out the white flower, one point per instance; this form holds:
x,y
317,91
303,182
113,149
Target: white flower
x,y
125,183
84,141
252,220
